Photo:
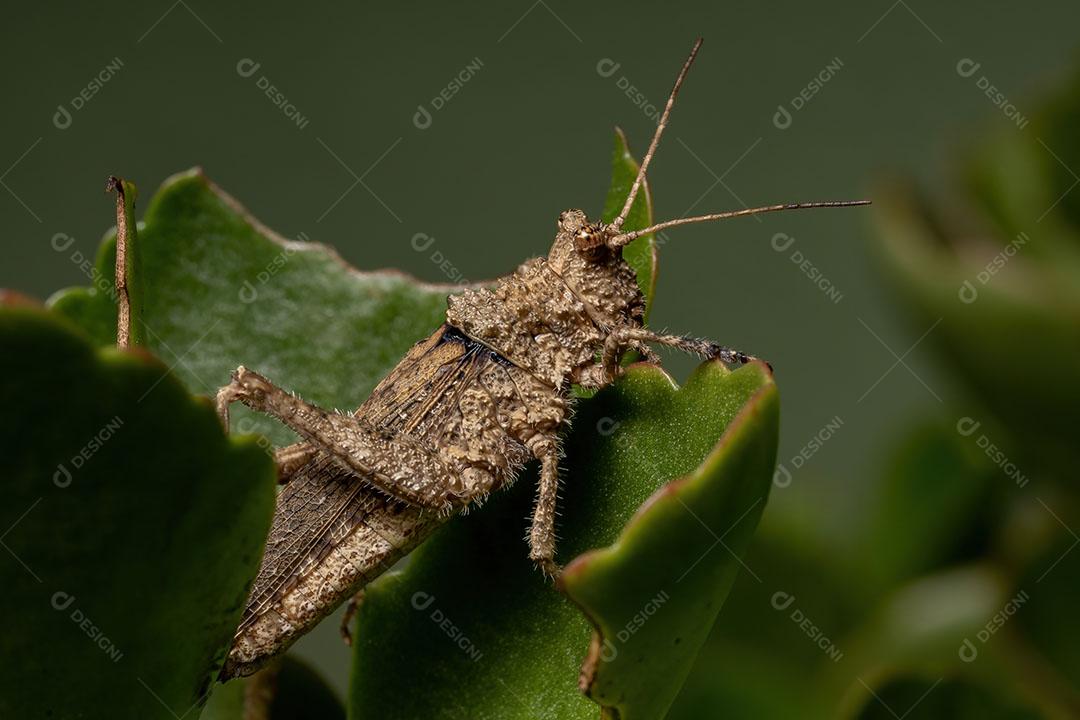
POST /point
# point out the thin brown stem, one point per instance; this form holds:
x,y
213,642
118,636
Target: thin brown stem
x,y
123,249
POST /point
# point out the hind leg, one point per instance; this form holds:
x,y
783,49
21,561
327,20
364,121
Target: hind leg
x,y
397,465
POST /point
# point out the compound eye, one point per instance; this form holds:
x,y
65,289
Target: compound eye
x,y
590,242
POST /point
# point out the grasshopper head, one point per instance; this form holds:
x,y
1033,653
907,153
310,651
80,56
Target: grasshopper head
x,y
588,255
593,267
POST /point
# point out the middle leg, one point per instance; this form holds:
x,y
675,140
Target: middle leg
x,y
291,458
542,533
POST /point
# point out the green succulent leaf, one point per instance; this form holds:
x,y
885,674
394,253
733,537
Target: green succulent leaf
x,y
224,290
770,644
641,254
133,528
495,640
621,587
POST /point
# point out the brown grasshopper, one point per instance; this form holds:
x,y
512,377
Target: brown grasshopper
x,y
457,418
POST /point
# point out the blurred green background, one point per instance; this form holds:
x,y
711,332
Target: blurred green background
x,y
528,135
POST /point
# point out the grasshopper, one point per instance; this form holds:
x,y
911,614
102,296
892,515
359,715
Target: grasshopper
x,y
457,418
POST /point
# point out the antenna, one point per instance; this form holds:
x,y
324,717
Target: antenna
x,y
624,238
617,223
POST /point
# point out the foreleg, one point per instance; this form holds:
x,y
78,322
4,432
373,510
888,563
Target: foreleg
x,y
622,337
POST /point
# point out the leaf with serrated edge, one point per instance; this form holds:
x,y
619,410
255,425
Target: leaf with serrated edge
x,y
636,665
498,641
133,528
222,290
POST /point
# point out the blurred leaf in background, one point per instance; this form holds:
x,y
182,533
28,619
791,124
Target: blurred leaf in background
x,y
954,595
